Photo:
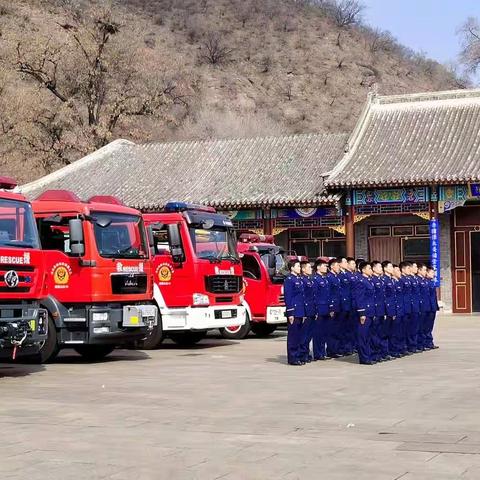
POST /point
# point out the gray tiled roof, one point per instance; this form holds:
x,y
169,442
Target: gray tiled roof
x,y
248,172
414,139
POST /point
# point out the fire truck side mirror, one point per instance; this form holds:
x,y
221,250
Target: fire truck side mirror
x,y
77,242
176,248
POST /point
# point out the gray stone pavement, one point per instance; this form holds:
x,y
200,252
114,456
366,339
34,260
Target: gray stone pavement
x,y
234,410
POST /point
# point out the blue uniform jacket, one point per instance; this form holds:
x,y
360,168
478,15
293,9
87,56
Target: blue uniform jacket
x,y
364,293
294,296
379,296
390,296
322,294
424,295
416,300
354,277
309,295
433,296
334,282
345,292
405,280
399,297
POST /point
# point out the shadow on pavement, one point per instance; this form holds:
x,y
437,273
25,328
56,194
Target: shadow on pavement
x,y
70,357
277,359
11,370
204,344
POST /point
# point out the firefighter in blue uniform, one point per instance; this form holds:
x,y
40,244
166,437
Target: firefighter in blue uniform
x,y
310,310
406,282
364,294
295,312
399,347
424,306
345,346
377,335
412,333
432,287
323,305
390,307
333,329
352,318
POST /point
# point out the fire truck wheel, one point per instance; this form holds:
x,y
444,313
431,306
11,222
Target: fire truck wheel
x,y
236,333
187,338
153,340
94,352
263,329
50,348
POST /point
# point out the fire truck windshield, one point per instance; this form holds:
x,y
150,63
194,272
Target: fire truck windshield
x,y
214,244
119,235
17,225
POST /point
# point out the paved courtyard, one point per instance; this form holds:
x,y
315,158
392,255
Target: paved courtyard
x,y
234,410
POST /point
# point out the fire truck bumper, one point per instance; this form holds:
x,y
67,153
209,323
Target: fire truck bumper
x,y
28,328
276,315
203,318
109,325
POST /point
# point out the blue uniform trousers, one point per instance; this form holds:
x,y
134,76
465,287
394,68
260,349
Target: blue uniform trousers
x,y
294,340
320,337
307,336
422,320
333,335
385,326
375,339
397,337
343,332
364,341
352,332
411,330
428,332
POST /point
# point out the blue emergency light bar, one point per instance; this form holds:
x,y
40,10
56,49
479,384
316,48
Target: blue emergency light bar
x,y
171,207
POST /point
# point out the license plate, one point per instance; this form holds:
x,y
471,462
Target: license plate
x,y
226,314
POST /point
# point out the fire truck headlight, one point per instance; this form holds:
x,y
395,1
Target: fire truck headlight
x,y
200,299
100,316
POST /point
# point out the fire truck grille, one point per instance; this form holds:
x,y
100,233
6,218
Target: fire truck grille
x,y
281,299
224,299
129,283
16,278
223,283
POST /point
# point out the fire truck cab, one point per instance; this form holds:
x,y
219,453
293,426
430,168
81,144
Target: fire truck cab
x,y
197,271
99,280
23,324
264,270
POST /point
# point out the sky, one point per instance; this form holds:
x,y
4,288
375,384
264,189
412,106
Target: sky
x,y
424,25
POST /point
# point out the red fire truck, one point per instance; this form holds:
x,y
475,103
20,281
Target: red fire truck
x,y
99,274
264,269
197,271
23,324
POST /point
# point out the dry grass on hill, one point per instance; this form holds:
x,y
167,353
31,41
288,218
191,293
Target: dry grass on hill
x,y
75,74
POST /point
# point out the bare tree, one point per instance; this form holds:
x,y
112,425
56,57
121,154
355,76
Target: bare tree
x,y
93,70
380,41
470,37
347,12
213,50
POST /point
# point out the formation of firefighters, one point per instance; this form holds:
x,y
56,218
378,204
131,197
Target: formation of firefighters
x,y
379,310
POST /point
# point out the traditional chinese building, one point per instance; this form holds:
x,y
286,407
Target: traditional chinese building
x,y
403,186
409,182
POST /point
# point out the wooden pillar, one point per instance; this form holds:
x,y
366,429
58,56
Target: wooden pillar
x,y
267,221
350,230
